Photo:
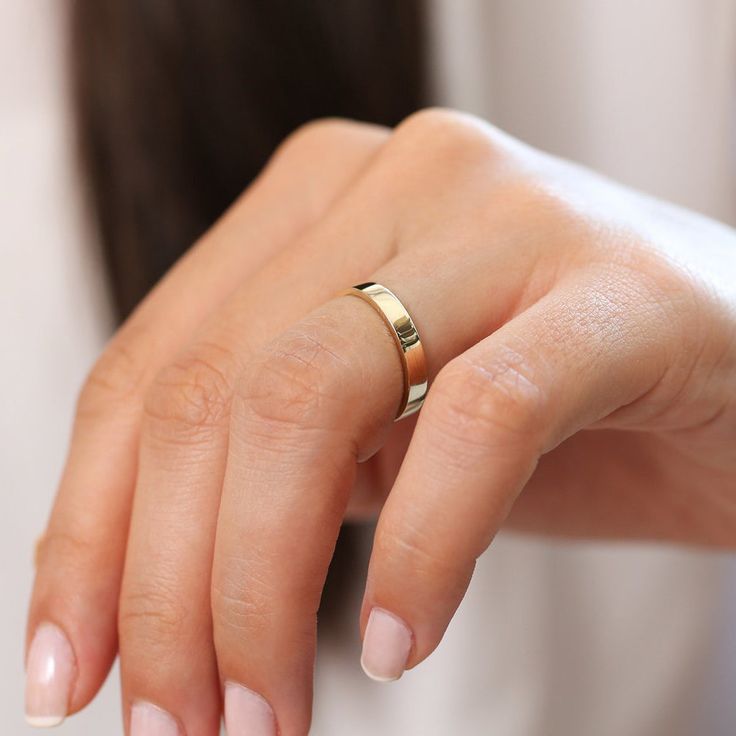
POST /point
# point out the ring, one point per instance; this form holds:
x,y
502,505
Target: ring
x,y
406,337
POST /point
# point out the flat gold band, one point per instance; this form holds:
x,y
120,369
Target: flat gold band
x,y
405,334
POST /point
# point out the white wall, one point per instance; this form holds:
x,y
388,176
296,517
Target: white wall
x,y
53,321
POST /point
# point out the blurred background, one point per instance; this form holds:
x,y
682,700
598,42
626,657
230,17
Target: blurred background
x,y
99,194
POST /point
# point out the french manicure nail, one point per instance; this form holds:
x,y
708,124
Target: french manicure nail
x,y
247,713
386,646
150,720
50,673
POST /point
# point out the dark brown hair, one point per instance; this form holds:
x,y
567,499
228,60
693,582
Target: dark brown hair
x,y
179,103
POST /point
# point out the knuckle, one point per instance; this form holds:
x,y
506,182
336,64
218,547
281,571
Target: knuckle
x,y
152,613
246,596
292,384
311,139
242,598
659,280
411,547
449,136
481,403
190,396
660,298
335,146
641,289
71,549
115,380
435,154
431,120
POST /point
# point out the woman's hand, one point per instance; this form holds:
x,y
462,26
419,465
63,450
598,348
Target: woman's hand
x,y
581,342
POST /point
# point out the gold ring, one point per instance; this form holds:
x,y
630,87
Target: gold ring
x,y
405,334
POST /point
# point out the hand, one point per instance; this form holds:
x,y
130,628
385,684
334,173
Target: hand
x,y
581,342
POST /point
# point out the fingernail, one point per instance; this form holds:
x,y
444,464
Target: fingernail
x,y
386,646
150,720
50,672
247,713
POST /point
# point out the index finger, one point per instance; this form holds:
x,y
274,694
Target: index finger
x,y
575,356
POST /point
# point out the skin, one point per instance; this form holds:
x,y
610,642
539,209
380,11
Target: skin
x,y
581,346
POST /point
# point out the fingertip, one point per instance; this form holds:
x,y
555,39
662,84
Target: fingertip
x,y
386,646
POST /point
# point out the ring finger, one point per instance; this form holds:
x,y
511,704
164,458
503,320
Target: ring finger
x,y
317,399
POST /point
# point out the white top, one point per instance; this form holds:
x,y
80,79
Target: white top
x,y
553,639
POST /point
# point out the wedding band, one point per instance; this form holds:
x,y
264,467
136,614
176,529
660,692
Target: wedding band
x,y
405,334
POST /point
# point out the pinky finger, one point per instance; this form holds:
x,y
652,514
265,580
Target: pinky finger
x,y
491,413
